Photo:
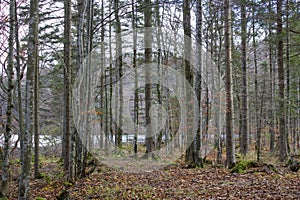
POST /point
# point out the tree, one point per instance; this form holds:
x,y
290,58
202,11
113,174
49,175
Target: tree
x,y
119,64
36,125
271,110
283,136
136,93
150,146
9,104
244,104
230,149
67,84
32,63
190,153
288,77
198,81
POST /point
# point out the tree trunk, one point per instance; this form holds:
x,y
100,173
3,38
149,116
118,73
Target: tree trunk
x,y
32,62
288,110
86,140
36,125
136,93
230,148
67,84
110,79
76,142
9,105
259,128
190,153
150,146
256,106
283,136
271,111
158,85
244,104
198,80
104,136
119,64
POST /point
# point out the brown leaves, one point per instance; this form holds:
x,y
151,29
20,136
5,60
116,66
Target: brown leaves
x,y
177,183
173,183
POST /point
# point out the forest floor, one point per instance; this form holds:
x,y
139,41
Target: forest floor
x,y
259,181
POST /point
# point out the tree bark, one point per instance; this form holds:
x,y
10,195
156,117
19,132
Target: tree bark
x,y
32,62
198,80
230,148
67,84
288,110
271,111
136,93
190,153
9,104
119,64
36,126
283,136
244,104
150,146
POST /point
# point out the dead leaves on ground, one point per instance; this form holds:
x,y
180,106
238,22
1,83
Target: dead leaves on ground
x,y
172,183
178,183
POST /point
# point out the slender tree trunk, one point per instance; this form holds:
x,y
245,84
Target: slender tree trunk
x,y
230,148
150,146
110,79
257,125
159,58
103,68
119,64
36,125
76,142
271,112
259,128
136,93
198,81
218,47
190,153
288,123
19,78
67,84
283,136
86,142
32,62
9,105
244,104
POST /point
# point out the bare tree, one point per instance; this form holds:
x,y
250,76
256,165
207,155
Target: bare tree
x,y
190,153
271,111
26,139
67,84
9,104
36,125
244,104
119,64
283,136
198,79
136,93
230,149
150,146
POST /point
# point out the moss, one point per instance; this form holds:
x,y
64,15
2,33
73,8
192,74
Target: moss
x,y
243,165
39,198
